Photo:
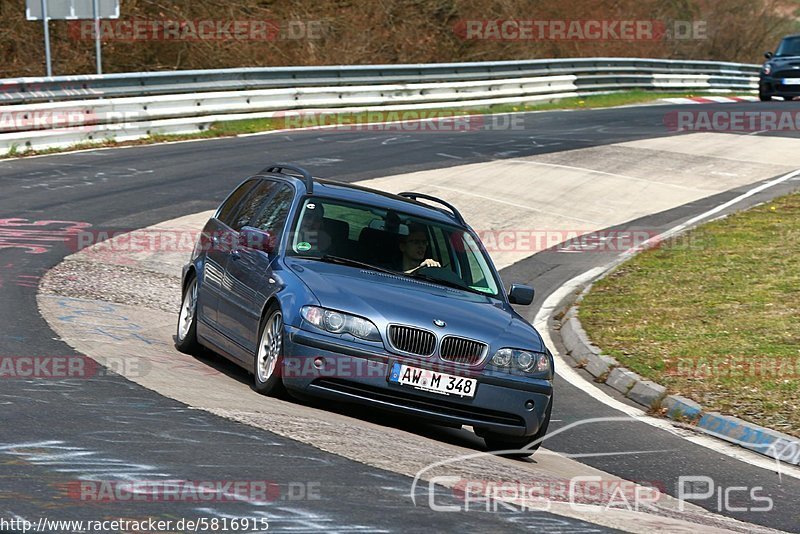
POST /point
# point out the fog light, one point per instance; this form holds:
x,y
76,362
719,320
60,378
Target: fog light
x,y
319,363
530,405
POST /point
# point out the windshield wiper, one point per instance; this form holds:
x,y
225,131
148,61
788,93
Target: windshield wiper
x,y
448,283
347,261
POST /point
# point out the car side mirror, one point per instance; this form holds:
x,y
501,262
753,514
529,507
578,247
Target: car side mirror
x,y
768,55
256,239
520,294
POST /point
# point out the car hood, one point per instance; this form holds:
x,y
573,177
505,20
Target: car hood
x,y
784,62
386,298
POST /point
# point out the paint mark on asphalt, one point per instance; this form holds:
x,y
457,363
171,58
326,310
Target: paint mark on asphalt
x,y
55,179
37,237
318,162
85,463
106,320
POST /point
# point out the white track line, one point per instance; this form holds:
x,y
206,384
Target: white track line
x,y
613,175
569,374
501,201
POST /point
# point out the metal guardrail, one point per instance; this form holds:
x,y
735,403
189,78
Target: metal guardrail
x,y
133,105
28,90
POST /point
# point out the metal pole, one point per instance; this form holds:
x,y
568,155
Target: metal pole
x,y
97,44
46,39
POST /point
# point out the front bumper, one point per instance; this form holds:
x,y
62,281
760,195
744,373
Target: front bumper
x,y
351,373
775,87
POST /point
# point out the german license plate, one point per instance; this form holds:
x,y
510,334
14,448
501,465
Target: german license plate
x,y
428,380
791,81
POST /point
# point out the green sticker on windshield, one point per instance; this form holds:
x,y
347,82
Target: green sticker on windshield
x,y
303,246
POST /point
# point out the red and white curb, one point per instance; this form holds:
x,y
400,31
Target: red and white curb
x,y
711,99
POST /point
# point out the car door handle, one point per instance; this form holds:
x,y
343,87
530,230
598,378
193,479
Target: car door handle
x,y
235,256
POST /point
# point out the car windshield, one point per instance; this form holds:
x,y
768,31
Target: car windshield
x,y
789,47
367,236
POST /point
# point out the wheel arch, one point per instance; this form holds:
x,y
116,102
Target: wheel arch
x,y
268,304
191,271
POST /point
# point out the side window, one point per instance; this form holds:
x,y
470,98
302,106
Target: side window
x,y
227,211
475,271
471,271
273,215
479,275
252,203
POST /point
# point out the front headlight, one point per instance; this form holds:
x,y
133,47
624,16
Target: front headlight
x,y
767,69
340,323
502,358
521,360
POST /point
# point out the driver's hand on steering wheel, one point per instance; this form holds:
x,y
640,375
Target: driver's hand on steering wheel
x,y
426,263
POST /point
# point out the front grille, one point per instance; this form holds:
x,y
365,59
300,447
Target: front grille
x,y
412,340
793,73
462,350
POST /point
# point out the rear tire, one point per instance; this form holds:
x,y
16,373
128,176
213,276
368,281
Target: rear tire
x,y
186,338
269,354
499,442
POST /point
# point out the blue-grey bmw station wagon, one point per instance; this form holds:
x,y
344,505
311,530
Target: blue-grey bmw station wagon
x,y
332,290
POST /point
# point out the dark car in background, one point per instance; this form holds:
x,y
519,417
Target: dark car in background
x,y
337,291
780,75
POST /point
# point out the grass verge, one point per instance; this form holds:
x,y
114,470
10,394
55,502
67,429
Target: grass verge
x,y
713,315
248,126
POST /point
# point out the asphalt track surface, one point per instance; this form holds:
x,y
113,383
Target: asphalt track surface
x,y
54,431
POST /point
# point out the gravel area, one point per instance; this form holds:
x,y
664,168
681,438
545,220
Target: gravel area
x,y
118,284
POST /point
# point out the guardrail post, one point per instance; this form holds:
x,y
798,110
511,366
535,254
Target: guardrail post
x,y
46,22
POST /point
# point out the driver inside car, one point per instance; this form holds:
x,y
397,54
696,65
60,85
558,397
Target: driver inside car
x,y
413,248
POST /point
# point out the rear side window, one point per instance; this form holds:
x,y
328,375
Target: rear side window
x,y
227,212
274,213
252,203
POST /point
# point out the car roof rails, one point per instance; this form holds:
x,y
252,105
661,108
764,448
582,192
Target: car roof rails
x,y
280,168
415,196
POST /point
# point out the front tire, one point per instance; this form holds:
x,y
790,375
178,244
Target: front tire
x,y
269,355
764,97
498,442
186,338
